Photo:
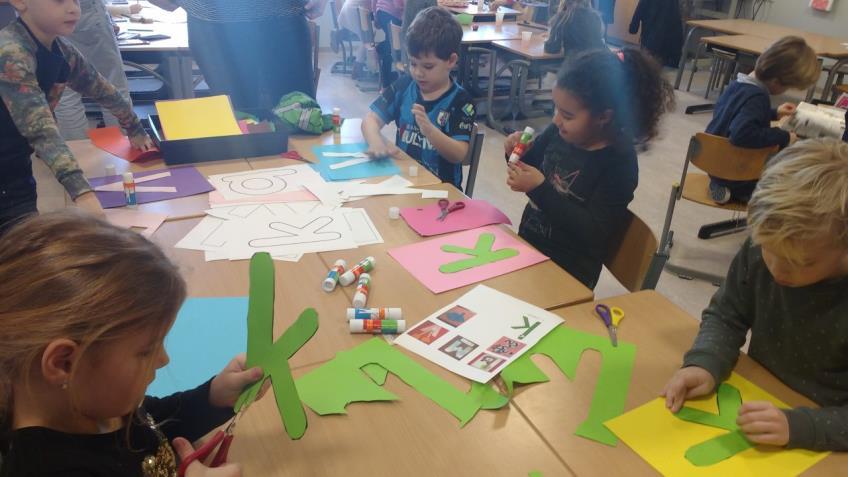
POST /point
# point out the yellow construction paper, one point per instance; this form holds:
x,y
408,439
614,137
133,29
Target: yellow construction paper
x,y
662,440
196,118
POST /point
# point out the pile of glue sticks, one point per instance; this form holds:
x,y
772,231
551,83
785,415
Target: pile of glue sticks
x,y
378,321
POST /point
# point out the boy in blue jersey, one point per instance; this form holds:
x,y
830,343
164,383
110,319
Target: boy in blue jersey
x,y
433,114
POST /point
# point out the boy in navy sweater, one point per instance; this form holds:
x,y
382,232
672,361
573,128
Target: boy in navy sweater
x,y
743,113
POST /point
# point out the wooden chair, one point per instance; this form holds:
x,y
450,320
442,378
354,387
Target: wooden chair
x,y
341,40
475,147
718,158
315,35
634,259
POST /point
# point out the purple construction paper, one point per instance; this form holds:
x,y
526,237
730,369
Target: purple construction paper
x,y
187,180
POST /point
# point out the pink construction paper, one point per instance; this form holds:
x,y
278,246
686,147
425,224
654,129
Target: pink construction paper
x,y
476,213
216,199
423,259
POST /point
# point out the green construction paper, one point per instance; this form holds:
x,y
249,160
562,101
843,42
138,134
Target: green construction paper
x,y
482,254
565,346
272,356
534,473
329,388
376,372
488,397
725,446
715,450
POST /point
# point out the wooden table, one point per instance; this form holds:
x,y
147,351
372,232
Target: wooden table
x,y
824,45
529,53
484,14
662,333
488,32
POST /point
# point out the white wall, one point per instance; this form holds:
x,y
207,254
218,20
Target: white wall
x,y
798,14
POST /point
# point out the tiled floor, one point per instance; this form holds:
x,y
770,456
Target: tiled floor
x,y
660,167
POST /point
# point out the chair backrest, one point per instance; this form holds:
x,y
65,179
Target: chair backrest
x,y
632,257
366,27
718,158
315,35
472,159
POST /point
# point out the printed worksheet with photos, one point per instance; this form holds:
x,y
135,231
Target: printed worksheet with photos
x,y
479,334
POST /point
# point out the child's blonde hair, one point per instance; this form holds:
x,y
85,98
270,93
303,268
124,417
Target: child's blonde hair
x,y
69,275
791,62
802,196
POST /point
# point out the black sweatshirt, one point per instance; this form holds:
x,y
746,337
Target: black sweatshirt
x,y
743,114
41,452
573,215
799,334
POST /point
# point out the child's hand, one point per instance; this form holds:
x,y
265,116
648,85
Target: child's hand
x,y
786,109
183,448
421,119
687,383
88,202
793,138
524,178
141,142
382,150
228,385
763,423
135,8
511,141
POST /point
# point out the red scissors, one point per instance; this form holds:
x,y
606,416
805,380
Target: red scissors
x,y
447,208
223,437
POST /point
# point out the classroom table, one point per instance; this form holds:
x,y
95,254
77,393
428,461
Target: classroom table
x,y
529,53
484,14
662,333
824,45
489,32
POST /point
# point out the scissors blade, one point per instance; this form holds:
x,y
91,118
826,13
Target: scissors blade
x,y
613,336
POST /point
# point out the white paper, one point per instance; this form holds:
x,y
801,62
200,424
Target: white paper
x,y
497,330
328,194
352,162
256,183
811,121
206,235
358,155
434,194
133,218
287,234
363,229
119,185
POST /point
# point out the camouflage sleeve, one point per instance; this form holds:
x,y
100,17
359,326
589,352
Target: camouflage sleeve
x,y
27,105
84,79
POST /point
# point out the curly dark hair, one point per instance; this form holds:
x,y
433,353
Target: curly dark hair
x,y
434,30
629,83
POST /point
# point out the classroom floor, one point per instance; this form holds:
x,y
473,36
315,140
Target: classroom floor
x,y
659,167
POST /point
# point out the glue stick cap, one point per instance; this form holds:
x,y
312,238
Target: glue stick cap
x,y
337,111
128,177
529,130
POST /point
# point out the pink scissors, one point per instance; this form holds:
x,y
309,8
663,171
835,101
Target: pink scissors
x,y
447,208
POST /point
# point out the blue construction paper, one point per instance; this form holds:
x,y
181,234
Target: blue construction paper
x,y
207,334
376,168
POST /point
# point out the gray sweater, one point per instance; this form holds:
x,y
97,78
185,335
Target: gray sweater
x,y
799,334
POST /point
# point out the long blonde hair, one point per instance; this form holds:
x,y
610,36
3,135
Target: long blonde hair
x,y
69,275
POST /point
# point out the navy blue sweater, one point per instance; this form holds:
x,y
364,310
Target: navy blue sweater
x,y
743,114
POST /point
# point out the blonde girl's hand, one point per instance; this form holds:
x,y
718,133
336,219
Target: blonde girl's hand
x,y
786,109
141,142
687,383
763,423
184,449
523,178
228,385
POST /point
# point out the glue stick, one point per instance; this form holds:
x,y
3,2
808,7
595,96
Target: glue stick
x,y
129,188
522,145
350,276
374,314
333,276
362,288
337,121
377,327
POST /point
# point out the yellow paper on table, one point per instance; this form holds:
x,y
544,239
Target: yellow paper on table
x,y
197,118
662,439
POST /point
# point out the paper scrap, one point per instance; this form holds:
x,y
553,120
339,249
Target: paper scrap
x,y
329,388
273,356
195,118
357,155
218,326
424,259
134,218
479,334
476,213
352,162
565,346
118,186
434,194
259,183
662,439
113,141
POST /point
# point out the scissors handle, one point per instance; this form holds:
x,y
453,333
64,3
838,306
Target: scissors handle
x,y
604,312
456,206
221,456
203,452
617,314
